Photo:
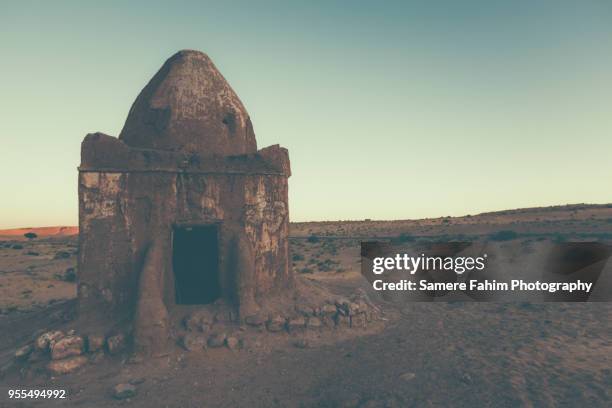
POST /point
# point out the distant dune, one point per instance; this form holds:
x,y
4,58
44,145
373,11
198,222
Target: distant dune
x,y
42,232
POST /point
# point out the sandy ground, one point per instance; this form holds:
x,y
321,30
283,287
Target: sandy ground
x,y
423,354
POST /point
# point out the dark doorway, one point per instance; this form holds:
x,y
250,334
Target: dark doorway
x,y
195,260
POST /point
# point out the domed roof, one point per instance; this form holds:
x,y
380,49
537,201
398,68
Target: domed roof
x,y
189,107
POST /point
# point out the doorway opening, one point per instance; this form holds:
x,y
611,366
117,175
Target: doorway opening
x,y
195,261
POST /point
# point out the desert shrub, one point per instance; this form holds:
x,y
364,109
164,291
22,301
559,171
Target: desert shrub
x,y
330,246
61,255
404,237
17,246
313,239
327,265
30,235
297,257
70,275
305,270
503,235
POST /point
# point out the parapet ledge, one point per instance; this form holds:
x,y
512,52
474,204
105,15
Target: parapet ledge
x,y
103,153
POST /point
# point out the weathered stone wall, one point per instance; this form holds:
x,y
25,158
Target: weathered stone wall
x,y
123,214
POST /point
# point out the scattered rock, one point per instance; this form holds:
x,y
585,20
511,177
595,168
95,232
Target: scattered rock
x,y
123,391
225,316
352,308
95,342
115,344
328,310
255,320
137,380
359,320
44,341
67,365
295,324
314,323
276,324
408,376
232,343
200,320
24,352
216,340
66,347
466,378
193,342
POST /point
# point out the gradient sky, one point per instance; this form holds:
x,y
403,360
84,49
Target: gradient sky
x,y
389,109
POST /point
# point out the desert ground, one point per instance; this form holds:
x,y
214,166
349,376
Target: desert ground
x,y
443,354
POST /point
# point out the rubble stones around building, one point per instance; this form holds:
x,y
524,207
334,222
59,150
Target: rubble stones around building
x,y
200,320
45,340
193,342
276,324
67,347
67,365
66,352
217,340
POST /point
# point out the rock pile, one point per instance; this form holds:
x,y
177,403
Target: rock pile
x,y
68,351
208,330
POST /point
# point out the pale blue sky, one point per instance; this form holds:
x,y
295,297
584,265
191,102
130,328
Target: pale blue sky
x,y
390,109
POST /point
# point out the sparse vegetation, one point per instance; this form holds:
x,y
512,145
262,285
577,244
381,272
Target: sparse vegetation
x,y
313,239
403,238
503,235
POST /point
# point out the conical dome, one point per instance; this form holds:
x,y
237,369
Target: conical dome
x,y
189,107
